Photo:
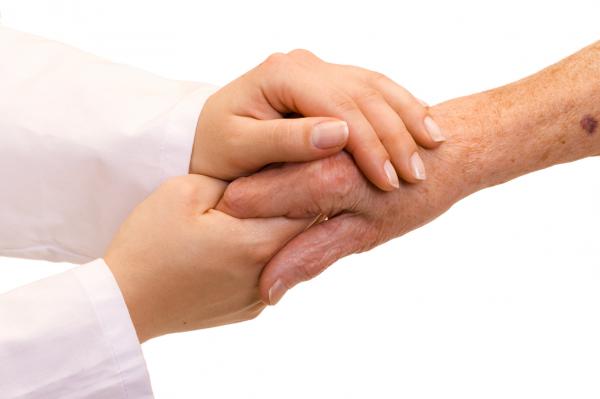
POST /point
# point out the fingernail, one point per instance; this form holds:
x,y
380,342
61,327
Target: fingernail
x,y
433,129
423,103
418,169
329,134
276,292
391,174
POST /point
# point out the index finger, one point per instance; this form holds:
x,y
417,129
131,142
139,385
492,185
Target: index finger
x,y
328,186
292,87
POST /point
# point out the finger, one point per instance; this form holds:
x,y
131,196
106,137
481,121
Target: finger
x,y
309,254
369,153
413,113
265,236
274,233
300,190
258,239
395,138
260,142
292,88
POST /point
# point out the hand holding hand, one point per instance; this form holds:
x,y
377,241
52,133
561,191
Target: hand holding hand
x,y
182,265
360,216
241,128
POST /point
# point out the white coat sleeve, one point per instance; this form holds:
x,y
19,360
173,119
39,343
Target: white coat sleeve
x,y
69,337
82,141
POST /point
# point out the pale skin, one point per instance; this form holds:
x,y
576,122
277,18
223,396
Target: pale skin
x,y
183,265
546,119
180,264
376,120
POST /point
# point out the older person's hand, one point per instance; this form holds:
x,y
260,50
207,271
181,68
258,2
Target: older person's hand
x,y
548,118
360,216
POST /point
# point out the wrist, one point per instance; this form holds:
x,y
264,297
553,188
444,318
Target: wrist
x,y
540,121
460,160
135,306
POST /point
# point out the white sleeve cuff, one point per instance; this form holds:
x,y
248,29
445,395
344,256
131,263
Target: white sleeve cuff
x,y
116,327
176,149
70,336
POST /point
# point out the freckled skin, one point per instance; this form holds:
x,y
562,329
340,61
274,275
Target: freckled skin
x,y
589,124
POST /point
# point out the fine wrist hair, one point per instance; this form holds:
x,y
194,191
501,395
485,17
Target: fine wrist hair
x,y
548,118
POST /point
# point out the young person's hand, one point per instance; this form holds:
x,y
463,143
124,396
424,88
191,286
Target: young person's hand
x,y
182,265
242,126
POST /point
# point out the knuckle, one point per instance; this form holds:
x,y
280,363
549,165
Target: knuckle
x,y
377,78
236,198
343,103
368,95
302,53
181,186
308,270
305,272
275,61
335,179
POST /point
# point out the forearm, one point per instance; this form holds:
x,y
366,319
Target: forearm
x,y
70,336
492,137
82,140
548,118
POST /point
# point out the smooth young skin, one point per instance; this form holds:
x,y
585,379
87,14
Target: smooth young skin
x,y
493,137
241,129
182,265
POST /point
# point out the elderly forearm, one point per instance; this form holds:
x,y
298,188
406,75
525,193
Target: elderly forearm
x,y
545,119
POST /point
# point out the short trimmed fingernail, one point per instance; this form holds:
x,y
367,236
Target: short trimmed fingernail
x,y
276,292
391,174
423,103
329,134
433,129
417,166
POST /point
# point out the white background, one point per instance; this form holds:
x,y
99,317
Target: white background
x,y
499,297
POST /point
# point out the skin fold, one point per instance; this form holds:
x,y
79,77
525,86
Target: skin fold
x,y
241,127
492,137
200,253
180,264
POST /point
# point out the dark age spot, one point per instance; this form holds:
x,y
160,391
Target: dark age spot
x,y
589,124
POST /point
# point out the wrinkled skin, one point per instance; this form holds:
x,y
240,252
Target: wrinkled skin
x,y
492,137
360,216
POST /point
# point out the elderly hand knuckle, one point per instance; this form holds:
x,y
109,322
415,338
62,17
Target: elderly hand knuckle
x,y
235,196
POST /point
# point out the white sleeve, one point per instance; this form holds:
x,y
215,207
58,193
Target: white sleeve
x,y
70,336
82,141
